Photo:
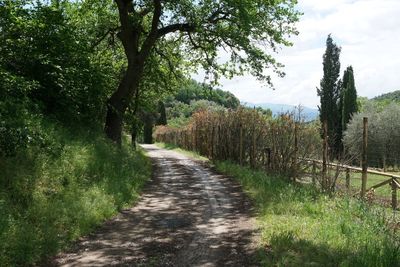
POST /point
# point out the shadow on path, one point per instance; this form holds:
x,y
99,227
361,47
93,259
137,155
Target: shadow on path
x,y
187,216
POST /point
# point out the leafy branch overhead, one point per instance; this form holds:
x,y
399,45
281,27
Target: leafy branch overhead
x,y
244,29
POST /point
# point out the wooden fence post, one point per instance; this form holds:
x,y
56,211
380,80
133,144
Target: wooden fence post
x,y
325,157
348,180
314,174
217,148
269,160
253,141
240,144
364,162
212,142
253,152
394,194
295,152
194,138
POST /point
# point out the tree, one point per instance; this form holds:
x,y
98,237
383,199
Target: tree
x,y
349,94
201,28
329,93
191,90
162,119
45,43
383,137
148,124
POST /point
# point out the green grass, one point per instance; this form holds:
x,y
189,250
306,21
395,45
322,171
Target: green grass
x,y
51,196
372,179
301,227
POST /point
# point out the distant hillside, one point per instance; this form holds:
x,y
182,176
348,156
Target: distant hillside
x,y
194,96
309,113
392,96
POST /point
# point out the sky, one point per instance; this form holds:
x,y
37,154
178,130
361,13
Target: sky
x,y
368,31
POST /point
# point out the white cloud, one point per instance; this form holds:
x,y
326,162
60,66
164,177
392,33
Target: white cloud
x,y
368,32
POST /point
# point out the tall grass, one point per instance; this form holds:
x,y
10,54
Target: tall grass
x,y
301,227
51,196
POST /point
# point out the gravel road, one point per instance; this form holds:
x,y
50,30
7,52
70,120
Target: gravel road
x,y
188,215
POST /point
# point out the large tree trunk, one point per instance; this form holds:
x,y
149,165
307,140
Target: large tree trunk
x,y
134,136
119,101
137,54
113,125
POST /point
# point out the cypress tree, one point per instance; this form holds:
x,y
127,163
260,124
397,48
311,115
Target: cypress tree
x,y
148,123
349,93
329,93
162,119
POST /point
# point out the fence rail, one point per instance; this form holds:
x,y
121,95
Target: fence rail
x,y
393,182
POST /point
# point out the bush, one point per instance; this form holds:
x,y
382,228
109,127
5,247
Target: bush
x,y
52,195
383,135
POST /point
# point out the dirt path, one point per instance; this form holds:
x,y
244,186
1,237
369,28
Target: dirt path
x,y
187,216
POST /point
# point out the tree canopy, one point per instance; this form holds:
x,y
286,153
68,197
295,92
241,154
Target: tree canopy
x,y
99,62
246,30
383,136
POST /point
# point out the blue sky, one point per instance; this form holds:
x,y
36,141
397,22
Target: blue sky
x,y
368,32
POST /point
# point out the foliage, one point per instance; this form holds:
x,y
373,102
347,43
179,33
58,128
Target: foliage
x,y
197,31
42,45
59,178
193,91
361,102
380,102
265,142
383,135
300,227
193,97
349,97
388,97
179,113
338,97
59,193
162,119
329,93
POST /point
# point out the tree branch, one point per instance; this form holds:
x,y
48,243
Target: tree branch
x,y
110,31
170,64
183,27
123,15
152,37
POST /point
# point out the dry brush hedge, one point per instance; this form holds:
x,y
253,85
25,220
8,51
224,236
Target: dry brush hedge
x,y
247,137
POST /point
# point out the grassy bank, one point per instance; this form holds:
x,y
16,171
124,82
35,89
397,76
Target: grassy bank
x,y
301,227
50,196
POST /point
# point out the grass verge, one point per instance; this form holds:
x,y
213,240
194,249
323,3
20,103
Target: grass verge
x,y
51,196
301,227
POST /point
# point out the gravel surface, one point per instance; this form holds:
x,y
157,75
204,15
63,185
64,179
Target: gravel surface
x,y
188,215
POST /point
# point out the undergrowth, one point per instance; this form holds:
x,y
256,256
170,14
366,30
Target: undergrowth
x,y
50,196
302,227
